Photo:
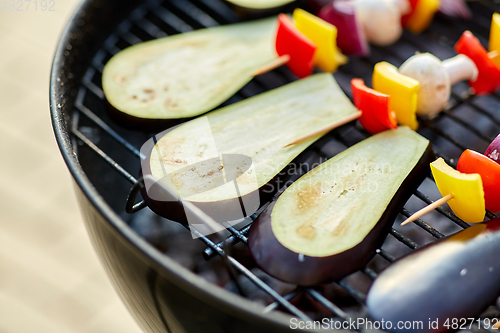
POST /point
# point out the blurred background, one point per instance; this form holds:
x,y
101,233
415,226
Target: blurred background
x,y
50,278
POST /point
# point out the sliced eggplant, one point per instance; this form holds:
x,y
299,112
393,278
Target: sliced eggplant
x,y
258,128
441,285
184,75
330,222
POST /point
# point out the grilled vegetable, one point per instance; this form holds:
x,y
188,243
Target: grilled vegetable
x,y
421,15
488,79
494,41
435,79
493,150
290,41
324,35
330,222
257,127
466,189
381,20
187,74
455,8
351,37
402,89
474,162
376,111
442,283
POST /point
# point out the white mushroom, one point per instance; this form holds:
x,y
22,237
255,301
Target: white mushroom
x,y
436,78
381,19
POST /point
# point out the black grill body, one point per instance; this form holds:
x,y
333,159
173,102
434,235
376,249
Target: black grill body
x,y
103,159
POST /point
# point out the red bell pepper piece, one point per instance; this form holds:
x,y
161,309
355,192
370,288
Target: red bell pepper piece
x,y
290,41
488,79
406,17
474,162
376,114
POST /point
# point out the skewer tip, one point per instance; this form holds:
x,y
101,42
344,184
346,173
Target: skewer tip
x,y
407,221
428,209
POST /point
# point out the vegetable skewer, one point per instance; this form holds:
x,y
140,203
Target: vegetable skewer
x,y
435,78
304,43
472,200
379,22
463,192
404,93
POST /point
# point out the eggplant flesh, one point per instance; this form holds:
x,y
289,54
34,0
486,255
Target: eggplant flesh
x,y
188,74
258,128
448,281
330,222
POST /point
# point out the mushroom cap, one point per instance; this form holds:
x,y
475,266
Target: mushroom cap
x,y
381,20
435,88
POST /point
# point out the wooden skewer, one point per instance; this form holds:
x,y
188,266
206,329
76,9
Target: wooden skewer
x,y
275,64
496,326
428,209
336,124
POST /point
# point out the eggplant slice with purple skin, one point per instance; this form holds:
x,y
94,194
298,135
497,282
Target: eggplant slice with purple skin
x,y
330,222
157,83
257,127
446,282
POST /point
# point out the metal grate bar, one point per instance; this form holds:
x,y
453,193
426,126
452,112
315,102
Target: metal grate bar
x,y
464,124
385,255
195,13
252,277
221,9
172,20
423,225
99,122
490,215
237,234
448,137
403,239
209,253
87,81
105,156
359,296
327,304
370,273
275,305
441,210
481,110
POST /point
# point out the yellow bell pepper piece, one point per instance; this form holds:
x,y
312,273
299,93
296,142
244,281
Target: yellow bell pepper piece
x,y
402,89
423,15
467,190
324,35
494,43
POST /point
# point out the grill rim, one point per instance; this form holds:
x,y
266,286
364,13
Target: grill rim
x,y
63,94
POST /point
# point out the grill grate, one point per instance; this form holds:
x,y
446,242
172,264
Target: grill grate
x,y
94,134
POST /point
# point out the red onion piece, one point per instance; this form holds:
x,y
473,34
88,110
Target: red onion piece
x,y
493,150
456,8
350,37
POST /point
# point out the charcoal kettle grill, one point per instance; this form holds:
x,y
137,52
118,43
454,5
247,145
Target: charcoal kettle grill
x,y
104,159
